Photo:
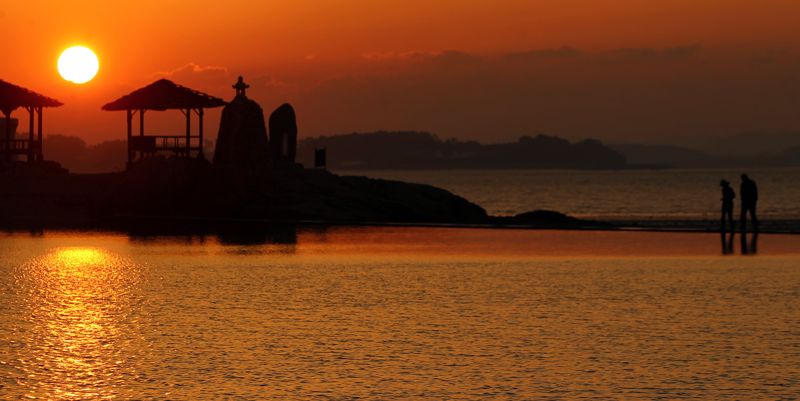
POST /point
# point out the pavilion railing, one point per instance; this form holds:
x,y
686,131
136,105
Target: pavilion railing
x,y
156,143
18,146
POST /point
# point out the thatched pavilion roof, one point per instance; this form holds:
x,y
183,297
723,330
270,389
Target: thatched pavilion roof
x,y
164,95
13,96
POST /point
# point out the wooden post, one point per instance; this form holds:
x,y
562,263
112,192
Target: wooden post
x,y
30,134
40,157
188,132
141,130
8,135
200,130
129,113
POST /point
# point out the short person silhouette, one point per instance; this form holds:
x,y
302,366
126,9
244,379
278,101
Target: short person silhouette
x,y
727,205
748,192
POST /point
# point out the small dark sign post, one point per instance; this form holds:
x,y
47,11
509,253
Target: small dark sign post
x,y
320,158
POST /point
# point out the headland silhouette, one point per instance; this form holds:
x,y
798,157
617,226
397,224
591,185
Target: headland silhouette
x,y
253,176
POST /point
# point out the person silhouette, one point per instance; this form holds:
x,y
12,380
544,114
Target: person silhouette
x,y
727,206
749,197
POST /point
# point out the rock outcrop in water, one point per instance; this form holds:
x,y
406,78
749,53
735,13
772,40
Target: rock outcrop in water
x,y
547,219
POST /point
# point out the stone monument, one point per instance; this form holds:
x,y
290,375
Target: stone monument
x,y
283,135
242,138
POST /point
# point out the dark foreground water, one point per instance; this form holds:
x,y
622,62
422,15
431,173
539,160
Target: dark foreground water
x,y
398,313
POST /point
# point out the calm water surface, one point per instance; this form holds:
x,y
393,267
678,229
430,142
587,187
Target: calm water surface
x,y
398,313
608,195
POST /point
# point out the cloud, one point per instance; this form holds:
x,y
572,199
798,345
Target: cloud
x,y
193,68
193,73
448,57
272,88
630,94
647,53
554,53
623,94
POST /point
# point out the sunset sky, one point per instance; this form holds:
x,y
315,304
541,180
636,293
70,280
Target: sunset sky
x,y
618,70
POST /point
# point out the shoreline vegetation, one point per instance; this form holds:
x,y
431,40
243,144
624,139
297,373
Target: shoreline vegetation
x,y
190,196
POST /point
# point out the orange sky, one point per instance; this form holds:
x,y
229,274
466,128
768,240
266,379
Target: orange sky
x,y
320,55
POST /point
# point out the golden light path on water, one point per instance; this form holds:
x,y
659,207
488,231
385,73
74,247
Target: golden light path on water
x,y
75,346
397,313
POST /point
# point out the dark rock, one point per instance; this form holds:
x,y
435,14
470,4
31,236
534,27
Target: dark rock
x,y
283,134
548,219
544,216
157,192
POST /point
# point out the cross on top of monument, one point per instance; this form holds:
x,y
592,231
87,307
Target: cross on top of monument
x,y
240,87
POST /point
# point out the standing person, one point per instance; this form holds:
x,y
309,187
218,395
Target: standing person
x,y
749,193
727,205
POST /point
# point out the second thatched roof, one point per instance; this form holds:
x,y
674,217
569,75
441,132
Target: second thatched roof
x,y
164,95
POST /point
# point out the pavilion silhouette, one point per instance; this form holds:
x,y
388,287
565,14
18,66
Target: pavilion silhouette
x,y
160,96
13,97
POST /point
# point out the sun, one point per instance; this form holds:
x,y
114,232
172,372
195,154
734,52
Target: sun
x,y
78,64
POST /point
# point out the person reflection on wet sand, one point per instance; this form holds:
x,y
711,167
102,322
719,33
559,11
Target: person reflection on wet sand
x,y
752,247
727,243
726,219
727,206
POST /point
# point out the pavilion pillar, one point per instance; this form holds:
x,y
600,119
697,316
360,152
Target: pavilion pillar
x,y
141,130
141,122
31,153
40,155
188,132
129,115
7,138
200,131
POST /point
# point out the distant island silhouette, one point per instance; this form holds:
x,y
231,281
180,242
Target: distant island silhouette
x,y
109,156
422,150
385,150
671,156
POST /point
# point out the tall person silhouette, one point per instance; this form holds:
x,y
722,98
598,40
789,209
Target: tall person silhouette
x,y
727,206
749,196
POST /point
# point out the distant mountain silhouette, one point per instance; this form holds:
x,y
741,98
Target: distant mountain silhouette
x,y
421,150
745,144
74,154
682,157
666,155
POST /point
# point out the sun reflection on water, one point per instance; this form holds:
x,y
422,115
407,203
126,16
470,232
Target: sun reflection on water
x,y
77,335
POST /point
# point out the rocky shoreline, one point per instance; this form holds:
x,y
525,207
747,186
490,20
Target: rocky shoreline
x,y
163,193
188,195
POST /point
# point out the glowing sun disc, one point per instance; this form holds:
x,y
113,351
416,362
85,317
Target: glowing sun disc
x,y
78,64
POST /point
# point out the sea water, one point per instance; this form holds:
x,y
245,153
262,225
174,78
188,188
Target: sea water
x,y
398,313
673,194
